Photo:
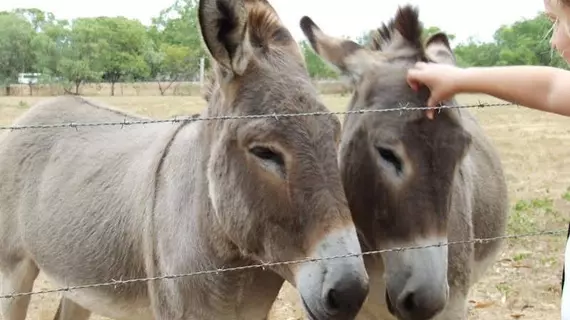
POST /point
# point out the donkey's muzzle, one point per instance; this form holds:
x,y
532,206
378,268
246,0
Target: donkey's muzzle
x,y
416,281
416,305
334,288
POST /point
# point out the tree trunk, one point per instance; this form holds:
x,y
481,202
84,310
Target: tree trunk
x,y
77,84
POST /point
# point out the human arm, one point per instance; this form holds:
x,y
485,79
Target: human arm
x,y
536,87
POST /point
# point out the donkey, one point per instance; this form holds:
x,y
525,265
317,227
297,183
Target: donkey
x,y
99,203
411,179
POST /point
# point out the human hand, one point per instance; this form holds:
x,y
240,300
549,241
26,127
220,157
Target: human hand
x,y
441,79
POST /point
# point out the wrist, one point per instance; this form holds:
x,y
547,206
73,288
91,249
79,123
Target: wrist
x,y
462,79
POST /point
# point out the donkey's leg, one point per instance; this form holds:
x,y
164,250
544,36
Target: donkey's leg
x,y
69,310
18,276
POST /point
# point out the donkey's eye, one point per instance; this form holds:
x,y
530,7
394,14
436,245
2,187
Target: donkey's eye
x,y
389,156
267,154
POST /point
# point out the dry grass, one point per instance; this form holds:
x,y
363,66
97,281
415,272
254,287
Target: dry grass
x,y
534,148
139,89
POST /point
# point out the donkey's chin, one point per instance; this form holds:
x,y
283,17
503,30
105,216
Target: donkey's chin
x,y
311,315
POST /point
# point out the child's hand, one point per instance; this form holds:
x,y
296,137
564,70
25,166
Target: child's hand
x,y
441,79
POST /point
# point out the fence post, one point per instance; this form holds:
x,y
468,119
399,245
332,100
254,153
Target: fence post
x,y
202,63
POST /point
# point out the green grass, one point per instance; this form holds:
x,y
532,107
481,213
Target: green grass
x,y
528,215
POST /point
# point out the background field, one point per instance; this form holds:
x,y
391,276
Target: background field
x,y
534,146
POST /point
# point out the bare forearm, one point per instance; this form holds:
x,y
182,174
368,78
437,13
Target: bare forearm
x,y
541,88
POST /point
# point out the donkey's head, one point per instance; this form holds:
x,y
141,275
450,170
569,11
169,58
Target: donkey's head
x,y
274,182
398,168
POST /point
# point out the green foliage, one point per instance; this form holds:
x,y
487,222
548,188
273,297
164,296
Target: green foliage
x,y
120,48
178,25
525,42
116,49
16,55
433,30
317,67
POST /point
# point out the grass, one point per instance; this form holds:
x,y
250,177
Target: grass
x,y
534,148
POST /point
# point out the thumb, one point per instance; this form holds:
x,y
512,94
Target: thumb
x,y
412,80
431,101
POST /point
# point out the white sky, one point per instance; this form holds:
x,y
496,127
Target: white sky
x,y
336,17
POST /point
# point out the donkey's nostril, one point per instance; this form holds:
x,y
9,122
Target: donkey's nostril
x,y
333,300
409,303
422,304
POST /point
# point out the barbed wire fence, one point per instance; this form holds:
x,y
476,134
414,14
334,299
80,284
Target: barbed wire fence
x,y
195,117
282,263
275,116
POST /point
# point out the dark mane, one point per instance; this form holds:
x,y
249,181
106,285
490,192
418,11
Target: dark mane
x,y
404,31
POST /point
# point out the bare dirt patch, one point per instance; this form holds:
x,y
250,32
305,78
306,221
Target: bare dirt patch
x,y
534,146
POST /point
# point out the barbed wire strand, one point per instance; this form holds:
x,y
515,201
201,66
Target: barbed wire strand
x,y
281,263
253,116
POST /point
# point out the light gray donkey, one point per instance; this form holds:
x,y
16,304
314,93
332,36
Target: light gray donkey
x,y
412,181
100,203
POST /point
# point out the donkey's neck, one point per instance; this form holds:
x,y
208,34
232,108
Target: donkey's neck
x,y
183,207
189,239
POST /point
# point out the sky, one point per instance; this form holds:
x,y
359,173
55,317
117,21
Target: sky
x,y
351,18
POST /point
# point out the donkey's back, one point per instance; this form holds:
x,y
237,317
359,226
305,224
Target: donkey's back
x,y
113,169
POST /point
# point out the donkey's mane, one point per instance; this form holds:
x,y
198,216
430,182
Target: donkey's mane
x,y
209,85
405,25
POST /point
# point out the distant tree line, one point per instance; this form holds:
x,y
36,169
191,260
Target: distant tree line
x,y
117,49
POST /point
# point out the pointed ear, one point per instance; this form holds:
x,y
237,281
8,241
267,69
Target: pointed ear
x,y
438,50
348,56
223,24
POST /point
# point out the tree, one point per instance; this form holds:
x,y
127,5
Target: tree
x,y
16,55
36,17
177,47
121,44
527,42
81,53
178,25
169,63
48,47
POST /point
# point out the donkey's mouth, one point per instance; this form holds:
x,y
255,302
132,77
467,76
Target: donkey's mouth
x,y
308,310
389,304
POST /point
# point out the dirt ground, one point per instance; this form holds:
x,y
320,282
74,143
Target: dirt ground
x,y
524,282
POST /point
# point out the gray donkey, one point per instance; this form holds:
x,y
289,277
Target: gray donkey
x,y
100,203
413,181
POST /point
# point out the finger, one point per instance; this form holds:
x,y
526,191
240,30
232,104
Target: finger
x,y
430,113
420,65
414,85
412,80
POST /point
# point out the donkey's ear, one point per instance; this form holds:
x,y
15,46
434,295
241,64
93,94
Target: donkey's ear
x,y
348,56
224,28
438,50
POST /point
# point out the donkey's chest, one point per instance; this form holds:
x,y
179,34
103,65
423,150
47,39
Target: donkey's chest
x,y
242,304
106,304
374,308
